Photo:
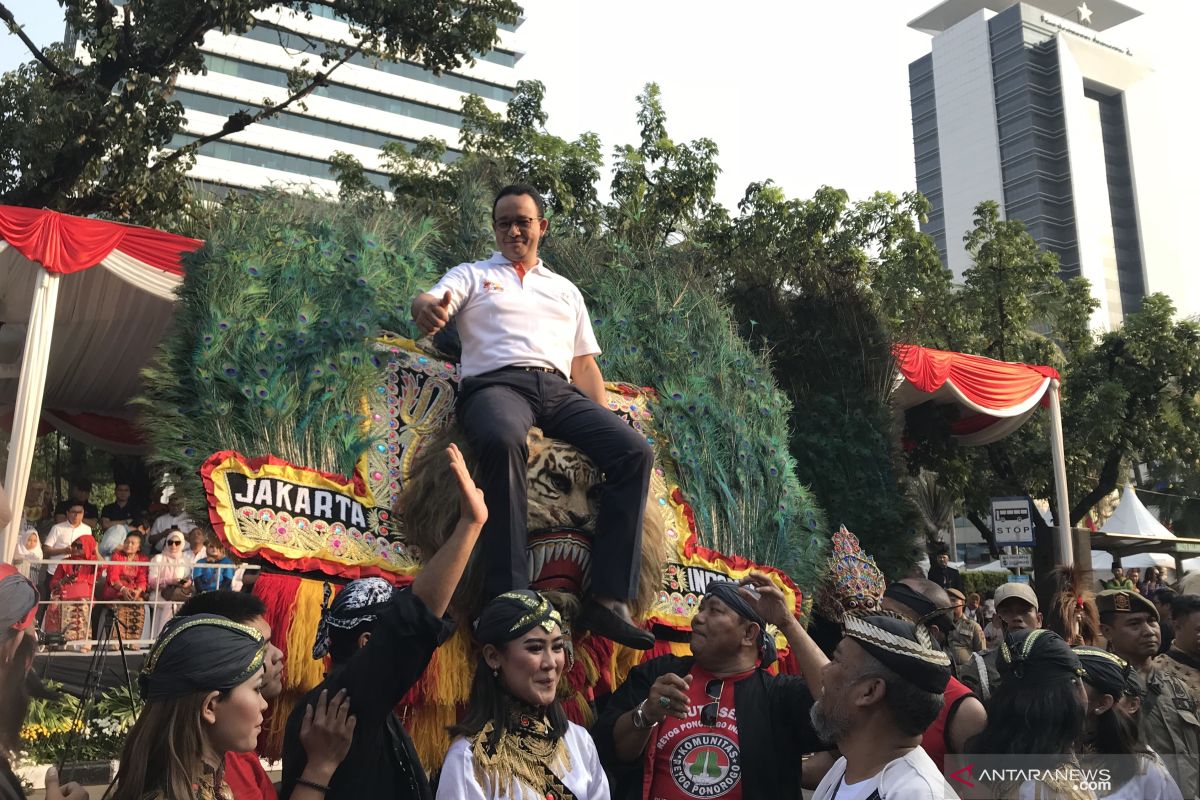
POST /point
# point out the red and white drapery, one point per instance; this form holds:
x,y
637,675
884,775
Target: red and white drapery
x,y
83,303
995,398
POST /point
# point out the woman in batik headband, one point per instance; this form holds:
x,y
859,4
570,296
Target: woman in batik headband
x,y
515,741
1036,715
1110,736
202,684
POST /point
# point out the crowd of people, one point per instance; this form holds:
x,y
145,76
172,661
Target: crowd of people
x,y
882,694
161,560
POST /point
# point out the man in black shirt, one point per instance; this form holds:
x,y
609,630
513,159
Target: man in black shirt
x,y
945,575
380,640
123,510
81,490
671,711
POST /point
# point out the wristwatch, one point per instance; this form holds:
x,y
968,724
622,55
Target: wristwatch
x,y
639,717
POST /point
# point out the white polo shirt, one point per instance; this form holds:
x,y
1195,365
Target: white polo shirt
x,y
64,535
505,322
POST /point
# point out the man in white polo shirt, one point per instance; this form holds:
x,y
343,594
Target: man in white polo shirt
x,y
528,358
60,537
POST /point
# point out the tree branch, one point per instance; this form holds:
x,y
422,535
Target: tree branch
x,y
1110,472
242,120
14,28
988,535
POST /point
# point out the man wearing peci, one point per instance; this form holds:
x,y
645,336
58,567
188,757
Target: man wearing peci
x,y
528,358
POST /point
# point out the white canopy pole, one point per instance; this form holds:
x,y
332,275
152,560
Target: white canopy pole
x,y
27,414
1064,550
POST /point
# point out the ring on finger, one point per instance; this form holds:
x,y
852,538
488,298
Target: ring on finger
x,y
664,702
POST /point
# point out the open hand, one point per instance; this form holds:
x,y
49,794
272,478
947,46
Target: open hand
x,y
761,593
327,731
433,314
471,506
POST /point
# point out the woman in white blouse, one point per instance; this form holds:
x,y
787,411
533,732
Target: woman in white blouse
x,y
515,741
170,581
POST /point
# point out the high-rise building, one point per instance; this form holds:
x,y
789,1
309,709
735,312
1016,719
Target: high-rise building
x,y
365,104
1038,107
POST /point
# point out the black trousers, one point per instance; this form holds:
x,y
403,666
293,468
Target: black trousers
x,y
496,411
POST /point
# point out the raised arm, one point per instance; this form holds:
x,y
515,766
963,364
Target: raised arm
x,y
772,606
411,628
437,580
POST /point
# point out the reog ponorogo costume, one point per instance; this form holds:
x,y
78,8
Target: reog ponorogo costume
x,y
299,426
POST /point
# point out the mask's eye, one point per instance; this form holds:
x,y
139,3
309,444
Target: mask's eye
x,y
561,483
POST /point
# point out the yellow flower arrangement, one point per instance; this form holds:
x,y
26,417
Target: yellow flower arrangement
x,y
38,732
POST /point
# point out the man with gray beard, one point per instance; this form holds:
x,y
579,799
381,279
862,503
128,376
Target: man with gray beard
x,y
880,692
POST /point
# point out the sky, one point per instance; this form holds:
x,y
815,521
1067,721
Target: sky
x,y
803,93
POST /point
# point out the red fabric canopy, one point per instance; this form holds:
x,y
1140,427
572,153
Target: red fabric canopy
x,y
997,396
115,299
64,244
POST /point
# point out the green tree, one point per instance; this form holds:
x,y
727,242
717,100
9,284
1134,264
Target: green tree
x,y
1133,398
660,187
497,149
1129,396
816,282
87,132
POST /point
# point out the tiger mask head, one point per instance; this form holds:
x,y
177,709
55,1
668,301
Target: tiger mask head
x,y
563,494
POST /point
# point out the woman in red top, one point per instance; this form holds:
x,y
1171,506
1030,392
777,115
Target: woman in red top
x,y
128,583
74,583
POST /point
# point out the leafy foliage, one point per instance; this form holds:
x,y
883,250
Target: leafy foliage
x,y
660,187
86,132
800,273
269,350
718,404
983,582
1129,396
50,727
513,147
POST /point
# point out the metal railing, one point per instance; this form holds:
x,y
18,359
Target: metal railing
x,y
99,612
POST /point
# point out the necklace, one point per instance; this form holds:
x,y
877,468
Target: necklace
x,y
527,751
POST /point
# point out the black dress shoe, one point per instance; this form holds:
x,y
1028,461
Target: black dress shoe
x,y
603,621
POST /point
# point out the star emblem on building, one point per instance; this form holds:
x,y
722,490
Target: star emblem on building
x,y
1085,14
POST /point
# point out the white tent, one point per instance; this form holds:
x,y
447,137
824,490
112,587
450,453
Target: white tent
x,y
83,303
1131,519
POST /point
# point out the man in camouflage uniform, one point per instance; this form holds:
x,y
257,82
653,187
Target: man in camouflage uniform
x,y
1017,609
1183,659
967,636
1168,717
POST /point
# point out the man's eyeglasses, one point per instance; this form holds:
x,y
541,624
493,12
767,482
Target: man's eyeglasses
x,y
710,712
523,224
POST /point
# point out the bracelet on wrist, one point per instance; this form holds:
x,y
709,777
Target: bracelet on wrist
x,y
320,787
639,718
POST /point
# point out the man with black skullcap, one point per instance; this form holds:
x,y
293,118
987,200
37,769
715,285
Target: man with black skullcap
x,y
714,724
379,641
962,716
880,692
1168,722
